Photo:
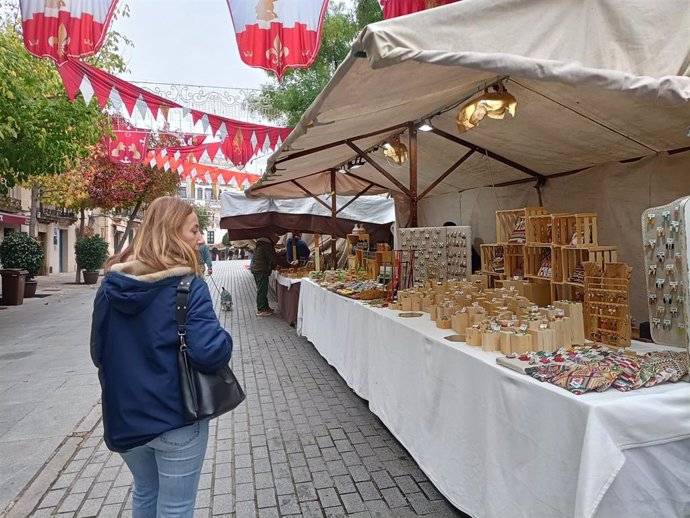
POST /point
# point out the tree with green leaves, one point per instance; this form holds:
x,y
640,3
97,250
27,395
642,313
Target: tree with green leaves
x,y
291,97
203,215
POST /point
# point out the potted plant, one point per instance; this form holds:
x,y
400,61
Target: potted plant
x,y
23,252
91,254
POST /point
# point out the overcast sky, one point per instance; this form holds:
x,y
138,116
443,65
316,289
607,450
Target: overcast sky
x,y
185,41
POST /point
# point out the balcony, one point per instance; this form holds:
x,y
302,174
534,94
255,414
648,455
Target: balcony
x,y
12,205
56,215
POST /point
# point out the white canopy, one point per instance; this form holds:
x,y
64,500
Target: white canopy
x,y
249,218
596,81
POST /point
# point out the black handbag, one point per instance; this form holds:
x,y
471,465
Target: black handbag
x,y
204,396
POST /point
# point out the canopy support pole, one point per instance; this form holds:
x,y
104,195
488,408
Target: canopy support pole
x,y
412,131
490,154
448,172
334,212
380,169
308,192
353,199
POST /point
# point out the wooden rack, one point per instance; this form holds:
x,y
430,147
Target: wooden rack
x,y
607,303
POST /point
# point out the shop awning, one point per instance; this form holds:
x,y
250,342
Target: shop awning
x,y
248,218
13,219
596,82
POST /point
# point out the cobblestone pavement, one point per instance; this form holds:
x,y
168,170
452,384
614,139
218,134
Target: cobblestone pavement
x,y
303,444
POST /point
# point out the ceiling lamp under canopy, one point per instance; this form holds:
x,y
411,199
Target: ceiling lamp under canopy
x,y
395,151
489,104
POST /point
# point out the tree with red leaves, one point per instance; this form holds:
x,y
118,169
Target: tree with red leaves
x,y
130,187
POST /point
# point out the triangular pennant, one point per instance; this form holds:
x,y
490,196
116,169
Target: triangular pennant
x,y
165,110
141,107
215,123
86,90
116,100
102,93
212,150
222,131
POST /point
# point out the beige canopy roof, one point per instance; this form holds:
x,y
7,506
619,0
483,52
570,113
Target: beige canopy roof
x,y
596,81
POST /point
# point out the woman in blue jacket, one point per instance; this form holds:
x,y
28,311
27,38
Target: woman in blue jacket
x,y
134,346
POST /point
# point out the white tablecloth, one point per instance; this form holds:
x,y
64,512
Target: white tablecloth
x,y
285,281
498,443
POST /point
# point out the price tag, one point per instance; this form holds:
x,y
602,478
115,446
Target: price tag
x,y
495,327
523,328
543,326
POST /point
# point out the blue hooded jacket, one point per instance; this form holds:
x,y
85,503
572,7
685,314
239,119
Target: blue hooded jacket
x,y
134,345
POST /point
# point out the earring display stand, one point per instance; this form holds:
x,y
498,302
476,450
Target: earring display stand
x,y
607,303
437,253
665,236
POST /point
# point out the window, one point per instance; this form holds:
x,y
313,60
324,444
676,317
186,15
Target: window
x,y
182,191
199,193
210,237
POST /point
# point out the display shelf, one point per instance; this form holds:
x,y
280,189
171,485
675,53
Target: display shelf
x,y
506,221
514,260
607,303
539,229
572,256
535,256
489,256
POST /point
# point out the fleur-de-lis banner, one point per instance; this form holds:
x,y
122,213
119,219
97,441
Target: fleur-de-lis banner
x,y
128,146
395,8
278,34
60,29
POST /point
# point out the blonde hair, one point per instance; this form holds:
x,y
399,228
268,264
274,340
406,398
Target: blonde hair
x,y
159,243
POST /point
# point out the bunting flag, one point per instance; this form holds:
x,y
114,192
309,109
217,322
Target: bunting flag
x,y
128,146
201,172
60,29
394,8
278,34
78,76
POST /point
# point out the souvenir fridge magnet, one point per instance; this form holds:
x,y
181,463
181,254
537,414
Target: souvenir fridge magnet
x,y
652,269
651,218
652,298
660,232
666,216
669,244
661,256
660,283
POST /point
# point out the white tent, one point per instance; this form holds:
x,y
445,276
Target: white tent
x,y
248,218
602,88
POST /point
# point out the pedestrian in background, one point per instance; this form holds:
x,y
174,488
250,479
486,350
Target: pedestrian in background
x,y
295,242
206,258
134,345
264,261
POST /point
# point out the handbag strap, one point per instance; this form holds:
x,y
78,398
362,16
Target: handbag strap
x,y
183,289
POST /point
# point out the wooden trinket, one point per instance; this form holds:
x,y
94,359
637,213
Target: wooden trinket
x,y
443,323
505,342
521,343
543,339
473,336
491,341
460,322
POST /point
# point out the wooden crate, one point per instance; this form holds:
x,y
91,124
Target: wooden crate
x,y
557,264
488,253
563,229
506,220
573,256
514,260
539,229
534,257
586,230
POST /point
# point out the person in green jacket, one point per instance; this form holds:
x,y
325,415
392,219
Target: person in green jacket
x,y
206,258
264,261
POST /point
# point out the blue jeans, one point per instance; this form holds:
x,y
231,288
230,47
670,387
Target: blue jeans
x,y
166,472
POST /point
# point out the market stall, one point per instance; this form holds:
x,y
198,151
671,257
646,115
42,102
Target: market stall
x,y
498,443
594,132
248,218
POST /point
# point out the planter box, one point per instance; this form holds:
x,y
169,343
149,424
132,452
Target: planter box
x,y
90,277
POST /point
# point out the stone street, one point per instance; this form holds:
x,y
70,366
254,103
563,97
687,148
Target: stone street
x,y
303,444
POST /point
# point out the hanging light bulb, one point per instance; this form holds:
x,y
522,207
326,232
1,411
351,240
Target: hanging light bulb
x,y
490,104
395,151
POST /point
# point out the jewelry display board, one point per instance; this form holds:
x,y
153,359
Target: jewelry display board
x,y
437,253
665,236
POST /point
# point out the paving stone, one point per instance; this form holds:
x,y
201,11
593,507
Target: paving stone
x,y
265,498
91,508
406,484
288,504
52,498
328,497
82,485
359,473
393,497
353,502
71,503
306,491
223,505
368,490
311,510
245,509
269,512
202,513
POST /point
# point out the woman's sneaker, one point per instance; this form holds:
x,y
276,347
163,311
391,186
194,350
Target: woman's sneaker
x,y
264,313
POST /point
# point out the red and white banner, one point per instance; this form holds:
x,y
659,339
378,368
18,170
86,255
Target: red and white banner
x,y
278,34
202,173
78,76
128,146
59,29
394,8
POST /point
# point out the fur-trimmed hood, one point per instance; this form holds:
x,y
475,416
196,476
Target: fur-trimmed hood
x,y
132,285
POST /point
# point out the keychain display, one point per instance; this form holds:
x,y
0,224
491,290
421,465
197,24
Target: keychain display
x,y
437,253
665,238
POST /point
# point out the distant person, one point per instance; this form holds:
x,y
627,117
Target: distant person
x,y
303,253
206,258
134,345
264,261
